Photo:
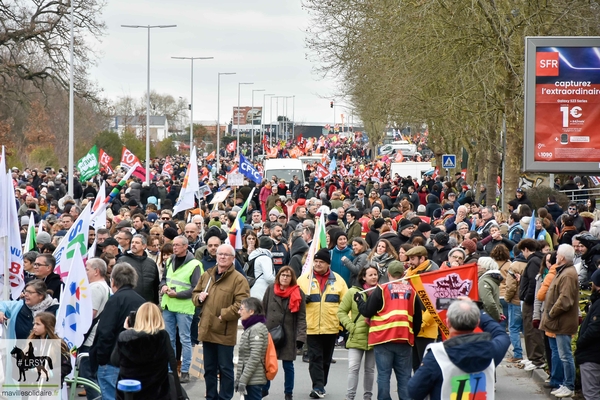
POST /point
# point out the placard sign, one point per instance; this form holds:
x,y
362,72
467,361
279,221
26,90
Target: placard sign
x,y
235,180
562,104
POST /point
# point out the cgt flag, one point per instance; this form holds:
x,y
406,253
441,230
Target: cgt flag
x,y
439,288
248,170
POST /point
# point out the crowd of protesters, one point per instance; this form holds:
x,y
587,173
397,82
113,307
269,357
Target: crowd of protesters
x,y
377,230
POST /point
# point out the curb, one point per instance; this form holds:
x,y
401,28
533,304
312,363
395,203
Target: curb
x,y
539,376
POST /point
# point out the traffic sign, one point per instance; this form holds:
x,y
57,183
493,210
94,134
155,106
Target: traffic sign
x,y
449,161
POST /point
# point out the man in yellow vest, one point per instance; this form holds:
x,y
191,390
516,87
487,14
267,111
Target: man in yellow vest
x,y
395,317
182,273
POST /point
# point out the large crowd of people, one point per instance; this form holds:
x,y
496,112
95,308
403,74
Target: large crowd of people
x,y
183,273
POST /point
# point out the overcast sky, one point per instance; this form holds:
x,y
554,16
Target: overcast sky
x,y
261,40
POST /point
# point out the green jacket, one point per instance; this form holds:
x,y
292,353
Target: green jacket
x,y
489,293
358,330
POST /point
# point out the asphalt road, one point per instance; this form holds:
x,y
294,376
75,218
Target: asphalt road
x,y
512,383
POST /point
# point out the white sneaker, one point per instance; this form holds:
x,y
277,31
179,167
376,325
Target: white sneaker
x,y
524,362
558,389
564,392
532,366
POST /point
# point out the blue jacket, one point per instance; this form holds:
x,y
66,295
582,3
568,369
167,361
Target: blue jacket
x,y
338,266
471,352
21,318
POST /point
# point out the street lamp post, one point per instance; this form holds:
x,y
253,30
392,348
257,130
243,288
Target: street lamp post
x,y
192,94
219,113
252,129
238,117
294,116
262,121
285,128
148,27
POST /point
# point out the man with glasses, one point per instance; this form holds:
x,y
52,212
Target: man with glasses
x,y
220,292
577,219
182,273
166,215
43,269
124,238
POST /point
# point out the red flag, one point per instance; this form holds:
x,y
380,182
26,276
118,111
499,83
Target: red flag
x,y
128,160
343,171
204,174
231,146
436,172
376,176
322,172
437,289
463,174
272,153
167,169
105,160
211,156
295,152
233,170
299,139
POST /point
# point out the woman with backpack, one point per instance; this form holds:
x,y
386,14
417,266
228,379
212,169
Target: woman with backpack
x,y
251,377
284,306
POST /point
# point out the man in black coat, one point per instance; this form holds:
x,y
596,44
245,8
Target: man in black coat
x,y
145,267
124,300
534,338
43,269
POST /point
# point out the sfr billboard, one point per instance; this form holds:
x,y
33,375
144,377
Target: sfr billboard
x,y
562,104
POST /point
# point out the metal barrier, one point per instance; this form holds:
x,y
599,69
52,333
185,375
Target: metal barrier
x,y
77,380
582,195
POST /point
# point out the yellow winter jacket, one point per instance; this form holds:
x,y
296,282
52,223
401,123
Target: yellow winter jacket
x,y
322,307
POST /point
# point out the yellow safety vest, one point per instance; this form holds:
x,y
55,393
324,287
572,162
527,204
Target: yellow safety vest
x,y
180,281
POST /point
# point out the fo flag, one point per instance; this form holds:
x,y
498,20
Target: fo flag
x,y
129,160
231,146
105,161
439,288
89,166
248,170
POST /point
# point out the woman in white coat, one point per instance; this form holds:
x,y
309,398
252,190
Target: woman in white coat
x,y
264,272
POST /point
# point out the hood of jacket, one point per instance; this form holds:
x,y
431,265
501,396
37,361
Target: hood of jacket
x,y
493,274
259,252
298,247
470,352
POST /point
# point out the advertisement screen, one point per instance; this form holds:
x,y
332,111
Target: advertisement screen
x,y
247,115
562,113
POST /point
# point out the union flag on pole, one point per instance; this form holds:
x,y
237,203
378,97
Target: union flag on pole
x,y
463,173
167,169
436,172
231,146
399,157
439,288
105,161
295,152
376,176
211,156
128,160
322,172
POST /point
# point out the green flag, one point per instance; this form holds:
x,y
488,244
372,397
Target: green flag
x,y
89,166
30,243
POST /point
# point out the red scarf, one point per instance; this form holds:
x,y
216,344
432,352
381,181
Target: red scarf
x,y
293,292
322,279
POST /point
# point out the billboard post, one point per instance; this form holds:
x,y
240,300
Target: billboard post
x,y
562,105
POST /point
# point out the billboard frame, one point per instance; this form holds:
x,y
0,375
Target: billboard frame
x,y
529,147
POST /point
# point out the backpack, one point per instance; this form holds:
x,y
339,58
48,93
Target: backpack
x,y
249,270
271,364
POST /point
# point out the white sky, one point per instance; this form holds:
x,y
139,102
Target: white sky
x,y
261,40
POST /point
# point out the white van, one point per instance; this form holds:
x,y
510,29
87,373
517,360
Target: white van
x,y
310,160
284,168
403,146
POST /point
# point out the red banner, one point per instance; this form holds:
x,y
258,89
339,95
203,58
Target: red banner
x,y
322,172
128,160
295,152
439,288
105,160
167,169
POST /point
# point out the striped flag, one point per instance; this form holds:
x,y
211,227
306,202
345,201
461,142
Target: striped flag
x,y
235,233
30,243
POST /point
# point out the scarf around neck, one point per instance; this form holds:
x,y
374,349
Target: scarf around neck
x,y
293,293
42,306
252,320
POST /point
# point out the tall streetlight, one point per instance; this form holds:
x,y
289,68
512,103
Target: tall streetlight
x,y
148,27
285,128
252,129
71,160
238,116
262,122
192,94
219,113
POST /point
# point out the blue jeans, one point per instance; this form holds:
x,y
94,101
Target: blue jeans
x,y
288,381
505,313
218,359
396,356
557,375
253,392
107,380
515,327
183,322
565,353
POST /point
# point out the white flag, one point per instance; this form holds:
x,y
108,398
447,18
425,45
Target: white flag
x,y
11,254
76,238
75,313
98,209
190,185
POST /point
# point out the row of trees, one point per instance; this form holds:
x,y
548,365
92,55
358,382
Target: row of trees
x,y
456,65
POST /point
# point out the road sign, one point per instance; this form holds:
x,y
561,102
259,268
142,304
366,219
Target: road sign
x,y
449,161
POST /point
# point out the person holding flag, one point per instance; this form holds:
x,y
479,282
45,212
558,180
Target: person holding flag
x,y
395,316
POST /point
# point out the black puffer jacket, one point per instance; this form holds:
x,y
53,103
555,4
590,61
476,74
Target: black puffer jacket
x,y
527,286
297,251
148,278
588,345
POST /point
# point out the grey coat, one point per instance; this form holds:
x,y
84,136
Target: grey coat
x,y
252,350
356,265
294,324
